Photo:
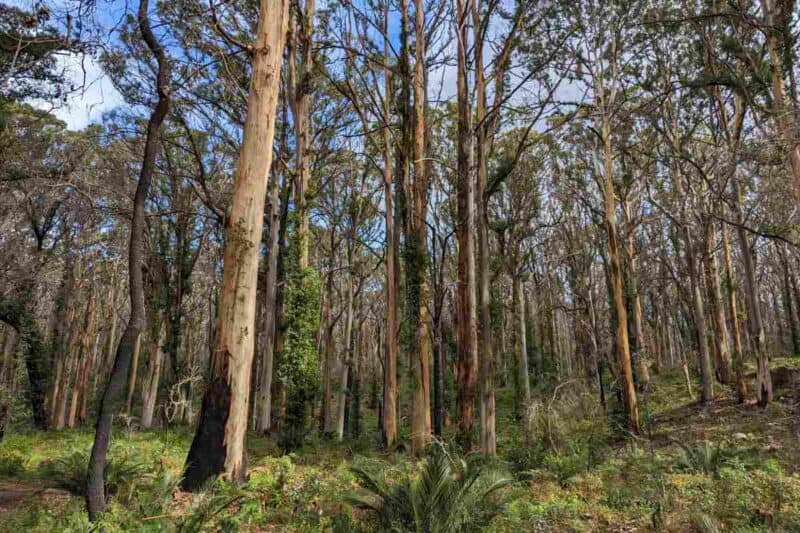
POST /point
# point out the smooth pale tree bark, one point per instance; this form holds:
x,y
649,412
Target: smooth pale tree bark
x,y
347,359
115,389
617,282
326,414
640,353
59,333
789,303
755,322
112,332
84,366
732,288
389,416
521,345
421,354
699,315
219,443
151,381
722,354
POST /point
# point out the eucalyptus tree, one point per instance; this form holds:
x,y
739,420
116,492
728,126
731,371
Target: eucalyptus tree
x,y
218,445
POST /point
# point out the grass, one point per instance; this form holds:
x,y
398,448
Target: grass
x,y
724,467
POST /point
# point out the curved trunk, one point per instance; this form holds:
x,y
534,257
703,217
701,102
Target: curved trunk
x,y
114,393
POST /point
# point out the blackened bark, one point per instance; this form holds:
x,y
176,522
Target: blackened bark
x,y
207,454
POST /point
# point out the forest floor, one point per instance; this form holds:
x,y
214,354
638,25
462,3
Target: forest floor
x,y
722,467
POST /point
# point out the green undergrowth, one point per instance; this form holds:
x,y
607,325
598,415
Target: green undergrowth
x,y
721,467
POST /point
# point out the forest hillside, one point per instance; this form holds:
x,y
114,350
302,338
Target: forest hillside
x,y
399,265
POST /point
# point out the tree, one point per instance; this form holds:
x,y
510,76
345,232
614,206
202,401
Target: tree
x,y
115,388
218,445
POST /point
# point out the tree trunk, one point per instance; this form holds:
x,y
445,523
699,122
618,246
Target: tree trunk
x,y
722,354
467,320
150,388
521,347
302,91
218,445
389,424
617,285
115,389
701,329
133,373
264,420
487,363
418,290
732,285
347,358
763,378
776,40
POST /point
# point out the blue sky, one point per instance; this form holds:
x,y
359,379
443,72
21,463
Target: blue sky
x,y
94,94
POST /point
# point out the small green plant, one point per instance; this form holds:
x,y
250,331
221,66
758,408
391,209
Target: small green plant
x,y
211,503
449,494
69,472
703,458
12,464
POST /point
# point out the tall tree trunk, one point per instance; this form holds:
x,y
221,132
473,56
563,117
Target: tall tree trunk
x,y
756,325
618,283
467,319
521,346
390,367
88,350
789,303
59,336
777,12
417,309
302,93
732,285
347,359
218,445
115,389
722,354
264,420
487,363
701,329
639,353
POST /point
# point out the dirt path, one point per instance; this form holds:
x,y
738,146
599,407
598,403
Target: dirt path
x,y
17,492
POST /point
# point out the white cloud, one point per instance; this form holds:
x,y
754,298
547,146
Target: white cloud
x,y
89,93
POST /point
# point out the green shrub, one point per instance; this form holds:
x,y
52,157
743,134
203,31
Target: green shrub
x,y
69,472
703,458
450,494
12,464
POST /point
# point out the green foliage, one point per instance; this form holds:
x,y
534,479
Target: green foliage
x,y
69,472
703,458
449,494
298,363
12,463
